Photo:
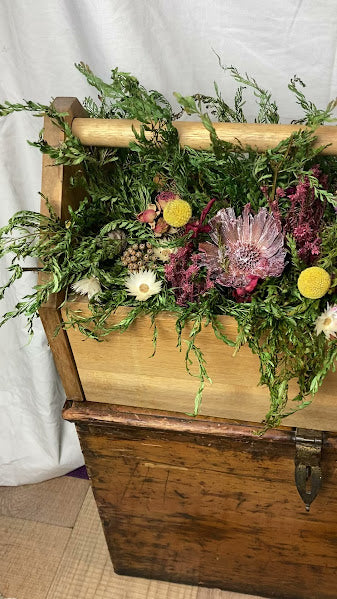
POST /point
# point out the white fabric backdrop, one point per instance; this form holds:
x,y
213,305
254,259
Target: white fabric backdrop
x,y
168,45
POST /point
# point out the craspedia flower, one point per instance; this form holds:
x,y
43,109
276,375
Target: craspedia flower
x,y
327,322
142,284
177,213
314,282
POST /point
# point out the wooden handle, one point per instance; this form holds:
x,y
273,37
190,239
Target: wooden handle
x,y
56,178
118,133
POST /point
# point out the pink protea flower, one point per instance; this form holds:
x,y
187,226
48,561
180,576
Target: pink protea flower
x,y
244,249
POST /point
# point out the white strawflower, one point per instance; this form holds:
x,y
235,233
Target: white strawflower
x,y
142,284
163,252
327,322
90,287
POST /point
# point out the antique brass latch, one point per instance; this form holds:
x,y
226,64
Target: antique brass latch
x,y
308,474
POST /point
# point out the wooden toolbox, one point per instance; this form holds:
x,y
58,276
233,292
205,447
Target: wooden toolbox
x,y
202,500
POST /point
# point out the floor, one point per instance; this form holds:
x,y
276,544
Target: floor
x,y
52,547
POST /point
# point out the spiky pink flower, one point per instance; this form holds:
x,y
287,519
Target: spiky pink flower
x,y
182,272
244,248
305,217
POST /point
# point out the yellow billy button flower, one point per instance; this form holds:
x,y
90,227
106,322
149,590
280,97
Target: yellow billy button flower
x,y
177,213
314,282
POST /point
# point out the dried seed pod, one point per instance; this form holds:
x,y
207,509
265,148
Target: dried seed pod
x,y
142,246
118,235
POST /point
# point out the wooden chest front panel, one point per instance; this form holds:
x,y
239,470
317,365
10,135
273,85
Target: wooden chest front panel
x,y
206,502
119,370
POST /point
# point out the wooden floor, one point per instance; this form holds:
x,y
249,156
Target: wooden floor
x,y
52,547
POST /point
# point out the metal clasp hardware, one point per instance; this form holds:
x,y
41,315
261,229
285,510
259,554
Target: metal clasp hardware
x,y
308,474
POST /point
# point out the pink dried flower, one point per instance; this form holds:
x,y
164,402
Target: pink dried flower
x,y
280,192
164,197
148,216
304,219
244,248
161,226
183,274
153,213
265,189
197,226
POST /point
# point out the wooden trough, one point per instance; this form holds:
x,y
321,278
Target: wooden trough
x,y
195,500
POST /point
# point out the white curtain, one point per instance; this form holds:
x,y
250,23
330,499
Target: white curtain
x,y
169,45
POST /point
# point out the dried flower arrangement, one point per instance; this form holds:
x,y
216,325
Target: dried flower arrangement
x,y
198,233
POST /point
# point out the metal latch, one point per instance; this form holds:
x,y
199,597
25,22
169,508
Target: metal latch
x,y
308,474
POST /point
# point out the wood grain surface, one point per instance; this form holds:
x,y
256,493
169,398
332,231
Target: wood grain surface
x,y
211,509
119,133
56,188
81,567
85,571
119,370
29,556
56,501
55,183
51,318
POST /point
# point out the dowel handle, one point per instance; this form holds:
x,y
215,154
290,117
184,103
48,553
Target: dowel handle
x,y
118,133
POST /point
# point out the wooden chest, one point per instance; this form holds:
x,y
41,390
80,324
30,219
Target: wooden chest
x,y
199,500
207,502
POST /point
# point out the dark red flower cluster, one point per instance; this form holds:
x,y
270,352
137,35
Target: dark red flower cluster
x,y
184,267
304,219
182,272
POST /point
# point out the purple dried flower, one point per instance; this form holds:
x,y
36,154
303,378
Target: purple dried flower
x,y
243,247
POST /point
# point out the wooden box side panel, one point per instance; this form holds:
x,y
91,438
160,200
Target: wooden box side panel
x,y
120,370
55,186
212,510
